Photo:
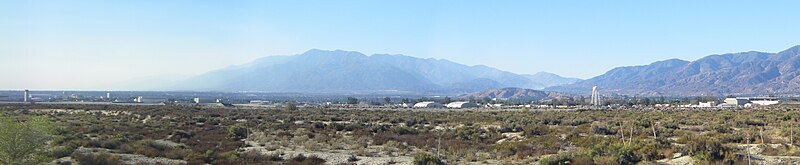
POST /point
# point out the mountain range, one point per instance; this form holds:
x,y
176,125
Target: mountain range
x,y
321,71
744,73
513,94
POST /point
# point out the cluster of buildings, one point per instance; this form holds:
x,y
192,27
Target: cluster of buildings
x,y
750,101
733,102
455,105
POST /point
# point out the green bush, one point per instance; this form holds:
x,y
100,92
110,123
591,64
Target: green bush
x,y
558,159
102,158
424,158
31,148
237,131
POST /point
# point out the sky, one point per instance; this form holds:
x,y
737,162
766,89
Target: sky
x,y
87,44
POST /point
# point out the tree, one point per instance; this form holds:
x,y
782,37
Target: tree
x,y
447,100
24,142
237,131
387,100
291,105
352,100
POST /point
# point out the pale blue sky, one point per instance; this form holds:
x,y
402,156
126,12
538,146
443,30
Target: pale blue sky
x,y
75,44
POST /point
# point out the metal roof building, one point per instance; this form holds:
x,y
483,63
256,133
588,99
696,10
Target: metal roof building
x,y
462,104
428,104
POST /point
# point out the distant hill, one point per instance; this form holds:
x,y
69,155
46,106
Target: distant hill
x,y
321,71
726,74
549,79
511,93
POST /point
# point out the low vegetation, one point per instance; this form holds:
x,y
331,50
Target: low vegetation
x,y
199,135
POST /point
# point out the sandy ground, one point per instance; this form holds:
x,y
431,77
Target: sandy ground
x,y
683,160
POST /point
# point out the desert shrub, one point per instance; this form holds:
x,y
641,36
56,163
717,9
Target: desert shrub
x,y
536,130
424,158
352,158
303,160
706,148
404,130
649,150
720,128
579,121
180,134
101,158
670,125
237,131
152,148
558,159
733,138
607,150
769,150
255,157
28,150
63,151
467,133
178,153
755,123
603,130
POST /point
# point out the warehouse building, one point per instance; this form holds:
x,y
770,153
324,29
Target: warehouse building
x,y
428,104
462,104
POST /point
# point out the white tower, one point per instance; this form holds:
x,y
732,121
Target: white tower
x,y
26,96
595,96
108,95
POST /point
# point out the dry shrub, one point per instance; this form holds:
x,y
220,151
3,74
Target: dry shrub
x,y
303,160
101,158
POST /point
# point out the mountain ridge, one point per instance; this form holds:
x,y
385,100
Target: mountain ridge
x,y
748,72
342,71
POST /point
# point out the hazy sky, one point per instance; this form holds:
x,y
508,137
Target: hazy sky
x,y
73,44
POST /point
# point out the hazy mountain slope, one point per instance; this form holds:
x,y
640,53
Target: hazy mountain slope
x,y
511,93
447,73
549,79
735,73
347,71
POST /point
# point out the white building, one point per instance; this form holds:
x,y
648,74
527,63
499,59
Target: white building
x,y
493,105
262,102
462,104
141,99
764,100
738,101
428,104
707,104
743,101
203,100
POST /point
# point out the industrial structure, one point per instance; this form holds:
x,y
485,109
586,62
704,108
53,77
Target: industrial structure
x,y
764,100
595,96
461,104
26,96
142,99
709,104
428,104
199,100
748,101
